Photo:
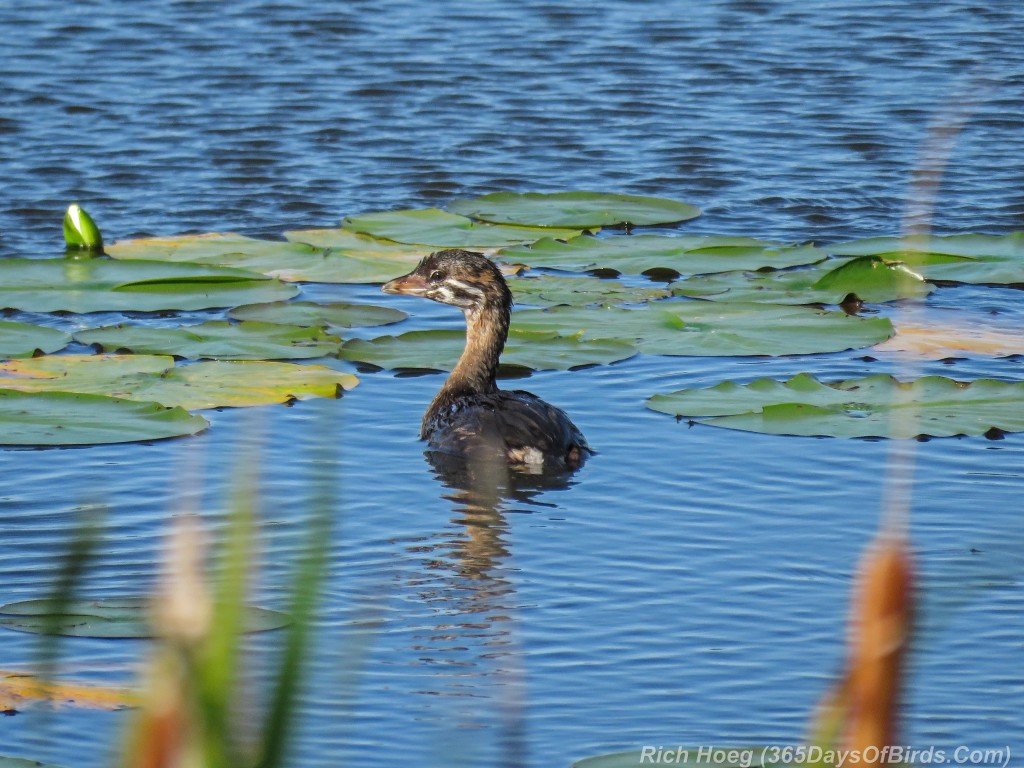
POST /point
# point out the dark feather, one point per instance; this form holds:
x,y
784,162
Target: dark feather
x,y
509,425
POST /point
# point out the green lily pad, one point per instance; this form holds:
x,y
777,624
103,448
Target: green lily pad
x,y
438,350
712,328
20,762
288,261
546,290
219,339
584,210
721,757
25,340
68,418
642,254
440,229
308,313
208,384
98,285
875,406
869,278
356,258
122,617
968,258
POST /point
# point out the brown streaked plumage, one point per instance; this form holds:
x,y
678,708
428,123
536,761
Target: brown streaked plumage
x,y
470,416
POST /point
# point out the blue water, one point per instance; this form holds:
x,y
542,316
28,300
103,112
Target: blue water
x,y
690,586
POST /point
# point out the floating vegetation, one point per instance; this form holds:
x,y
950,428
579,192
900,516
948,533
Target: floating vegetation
x,y
68,418
18,689
80,231
26,340
950,334
662,254
208,384
754,295
308,313
218,339
874,406
438,350
440,229
968,258
376,261
867,278
583,210
123,617
546,290
99,285
704,328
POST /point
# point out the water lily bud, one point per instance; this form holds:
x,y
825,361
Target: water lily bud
x,y
80,231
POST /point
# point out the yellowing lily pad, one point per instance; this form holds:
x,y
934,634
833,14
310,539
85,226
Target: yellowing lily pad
x,y
308,313
867,278
440,229
440,349
25,340
123,617
874,406
712,328
968,258
208,384
674,256
66,418
220,339
239,384
21,688
545,290
941,334
584,210
96,285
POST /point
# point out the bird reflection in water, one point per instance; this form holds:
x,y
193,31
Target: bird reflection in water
x,y
465,581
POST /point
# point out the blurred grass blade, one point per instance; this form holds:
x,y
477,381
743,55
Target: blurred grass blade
x,y
308,576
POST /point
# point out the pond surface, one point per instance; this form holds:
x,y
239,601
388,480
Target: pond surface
x,y
690,586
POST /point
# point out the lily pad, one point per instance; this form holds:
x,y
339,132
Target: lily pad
x,y
874,406
712,328
123,617
440,229
438,350
952,333
25,340
97,285
308,313
208,384
968,258
721,757
545,290
219,339
584,210
288,261
673,256
67,418
869,278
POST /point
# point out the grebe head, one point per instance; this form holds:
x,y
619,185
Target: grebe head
x,y
464,279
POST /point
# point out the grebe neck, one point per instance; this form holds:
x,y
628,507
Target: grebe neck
x,y
477,369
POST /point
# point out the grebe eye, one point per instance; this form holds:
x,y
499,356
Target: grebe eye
x,y
436,276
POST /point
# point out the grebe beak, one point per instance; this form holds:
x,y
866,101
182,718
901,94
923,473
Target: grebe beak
x,y
411,285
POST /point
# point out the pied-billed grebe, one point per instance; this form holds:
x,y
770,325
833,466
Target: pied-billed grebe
x,y
470,416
